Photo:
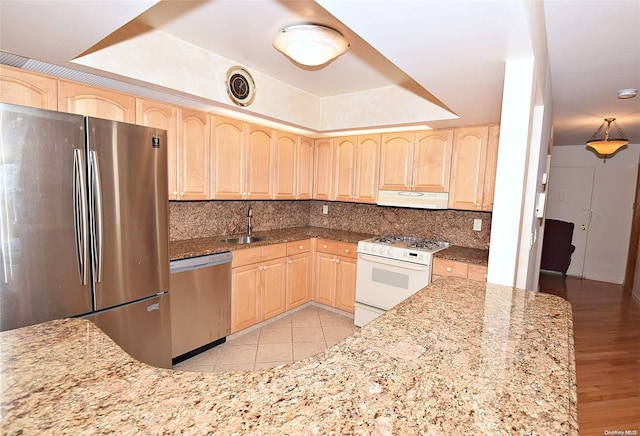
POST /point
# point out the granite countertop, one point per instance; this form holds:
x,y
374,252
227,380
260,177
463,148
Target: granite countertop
x,y
202,246
459,357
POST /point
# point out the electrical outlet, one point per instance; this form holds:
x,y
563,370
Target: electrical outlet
x,y
477,225
325,209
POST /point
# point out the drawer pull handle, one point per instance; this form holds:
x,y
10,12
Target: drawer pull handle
x,y
448,269
346,250
300,247
324,246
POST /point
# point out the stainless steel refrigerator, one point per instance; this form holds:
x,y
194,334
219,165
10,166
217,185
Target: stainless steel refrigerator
x,y
84,227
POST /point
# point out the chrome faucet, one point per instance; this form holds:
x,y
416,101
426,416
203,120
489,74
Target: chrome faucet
x,y
249,215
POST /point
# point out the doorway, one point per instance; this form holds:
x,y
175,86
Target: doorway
x,y
569,199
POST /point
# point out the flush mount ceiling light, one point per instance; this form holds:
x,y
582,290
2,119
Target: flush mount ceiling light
x,y
606,145
310,44
624,94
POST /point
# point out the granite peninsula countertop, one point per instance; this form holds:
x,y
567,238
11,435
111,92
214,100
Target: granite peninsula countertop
x,y
459,357
183,249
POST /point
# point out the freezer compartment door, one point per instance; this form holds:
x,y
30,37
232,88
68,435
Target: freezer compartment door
x,y
128,206
43,230
142,329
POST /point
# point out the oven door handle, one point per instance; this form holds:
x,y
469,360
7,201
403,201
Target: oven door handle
x,y
393,262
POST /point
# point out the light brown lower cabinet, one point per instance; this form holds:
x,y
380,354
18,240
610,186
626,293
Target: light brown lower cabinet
x,y
445,267
299,267
258,285
335,274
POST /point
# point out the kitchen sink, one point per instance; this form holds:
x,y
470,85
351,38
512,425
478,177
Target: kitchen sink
x,y
242,239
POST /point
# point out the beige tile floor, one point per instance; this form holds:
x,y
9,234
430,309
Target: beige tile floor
x,y
295,336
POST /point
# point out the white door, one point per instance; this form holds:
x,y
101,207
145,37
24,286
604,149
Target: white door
x,y
569,199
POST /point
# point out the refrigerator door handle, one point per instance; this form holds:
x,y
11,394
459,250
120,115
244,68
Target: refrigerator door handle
x,y
96,220
80,214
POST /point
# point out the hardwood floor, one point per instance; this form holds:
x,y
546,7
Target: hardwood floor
x,y
607,341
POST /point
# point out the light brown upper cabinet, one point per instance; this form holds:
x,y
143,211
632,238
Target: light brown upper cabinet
x,y
228,158
396,161
293,167
492,165
284,177
468,167
355,168
242,160
323,169
367,167
304,169
78,98
416,161
28,89
194,155
163,116
344,168
432,160
259,162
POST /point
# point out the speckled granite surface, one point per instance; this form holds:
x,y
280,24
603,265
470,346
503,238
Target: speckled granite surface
x,y
203,246
459,357
206,219
465,254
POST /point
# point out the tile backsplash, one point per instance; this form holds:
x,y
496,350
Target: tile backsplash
x,y
199,219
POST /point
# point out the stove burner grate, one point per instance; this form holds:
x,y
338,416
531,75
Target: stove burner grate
x,y
388,239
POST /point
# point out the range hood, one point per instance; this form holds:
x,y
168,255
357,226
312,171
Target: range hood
x,y
418,200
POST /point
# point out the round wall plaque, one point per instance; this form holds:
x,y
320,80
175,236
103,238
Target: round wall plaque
x,y
240,86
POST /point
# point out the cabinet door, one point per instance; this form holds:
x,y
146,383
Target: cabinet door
x,y
432,160
88,100
298,279
285,168
274,287
228,158
259,165
367,166
396,157
323,169
345,296
245,297
28,89
491,167
162,116
304,169
325,279
194,155
468,162
344,167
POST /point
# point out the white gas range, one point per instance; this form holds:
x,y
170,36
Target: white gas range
x,y
390,269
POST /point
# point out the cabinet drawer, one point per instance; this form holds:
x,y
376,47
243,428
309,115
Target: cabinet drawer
x,y
296,247
326,246
347,250
274,251
442,267
246,256
477,272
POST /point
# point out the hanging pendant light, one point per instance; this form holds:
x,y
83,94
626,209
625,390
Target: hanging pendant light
x,y
606,145
310,44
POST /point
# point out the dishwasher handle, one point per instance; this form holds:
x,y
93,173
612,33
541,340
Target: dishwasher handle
x,y
176,266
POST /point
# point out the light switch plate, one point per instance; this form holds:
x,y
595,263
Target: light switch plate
x,y
325,209
477,224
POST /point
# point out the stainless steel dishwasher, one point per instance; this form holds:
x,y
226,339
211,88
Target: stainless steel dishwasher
x,y
200,290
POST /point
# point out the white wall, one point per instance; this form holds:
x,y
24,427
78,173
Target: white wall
x,y
525,132
612,203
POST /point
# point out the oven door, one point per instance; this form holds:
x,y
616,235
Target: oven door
x,y
383,283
